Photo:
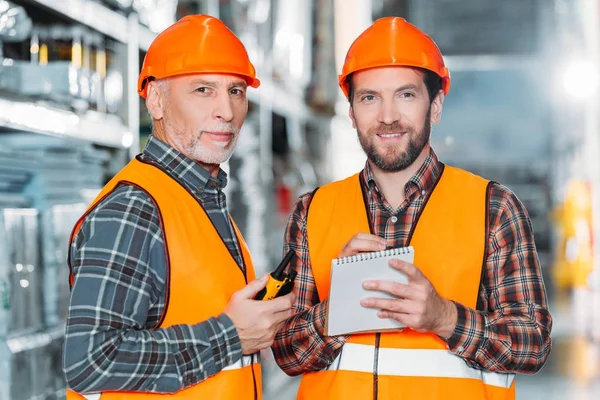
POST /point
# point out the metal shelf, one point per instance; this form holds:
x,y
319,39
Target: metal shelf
x,y
280,100
98,17
95,127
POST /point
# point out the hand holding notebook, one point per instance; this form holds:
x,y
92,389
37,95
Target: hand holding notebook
x,y
345,314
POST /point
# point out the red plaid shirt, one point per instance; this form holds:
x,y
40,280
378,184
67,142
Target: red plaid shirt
x,y
509,331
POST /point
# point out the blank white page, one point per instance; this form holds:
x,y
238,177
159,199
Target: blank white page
x,y
345,313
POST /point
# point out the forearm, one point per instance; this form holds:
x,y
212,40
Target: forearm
x,y
165,360
301,346
510,330
513,339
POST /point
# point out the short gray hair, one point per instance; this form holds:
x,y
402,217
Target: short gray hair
x,y
163,85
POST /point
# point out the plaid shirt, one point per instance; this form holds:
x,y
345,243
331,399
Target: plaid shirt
x,y
508,332
119,264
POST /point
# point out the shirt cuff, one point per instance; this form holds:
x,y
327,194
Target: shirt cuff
x,y
199,362
320,317
225,342
468,334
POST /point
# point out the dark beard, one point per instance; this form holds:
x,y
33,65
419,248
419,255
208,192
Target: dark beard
x,y
404,160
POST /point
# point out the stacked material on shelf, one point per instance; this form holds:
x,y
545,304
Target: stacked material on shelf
x,y
15,173
62,177
28,352
57,223
33,366
45,186
60,168
20,272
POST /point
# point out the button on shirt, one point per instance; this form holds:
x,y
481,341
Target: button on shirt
x,y
119,264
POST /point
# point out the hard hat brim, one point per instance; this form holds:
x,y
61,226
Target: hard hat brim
x,y
144,80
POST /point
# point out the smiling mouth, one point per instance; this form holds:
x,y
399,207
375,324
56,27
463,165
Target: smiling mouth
x,y
390,135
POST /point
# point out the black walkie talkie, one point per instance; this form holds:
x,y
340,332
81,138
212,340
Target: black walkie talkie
x,y
279,283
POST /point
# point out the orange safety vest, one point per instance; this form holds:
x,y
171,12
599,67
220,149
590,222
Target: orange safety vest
x,y
202,276
450,242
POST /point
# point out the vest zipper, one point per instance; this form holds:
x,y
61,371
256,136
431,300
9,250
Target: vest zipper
x,y
376,367
365,197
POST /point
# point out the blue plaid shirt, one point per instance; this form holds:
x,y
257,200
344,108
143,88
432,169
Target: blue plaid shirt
x,y
119,264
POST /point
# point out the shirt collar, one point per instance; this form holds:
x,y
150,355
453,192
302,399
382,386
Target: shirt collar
x,y
181,167
424,179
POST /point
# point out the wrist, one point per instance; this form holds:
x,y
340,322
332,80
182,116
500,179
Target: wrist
x,y
449,320
320,317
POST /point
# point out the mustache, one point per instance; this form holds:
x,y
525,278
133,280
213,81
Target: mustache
x,y
221,127
394,127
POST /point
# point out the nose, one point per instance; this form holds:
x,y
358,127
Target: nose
x,y
389,112
223,109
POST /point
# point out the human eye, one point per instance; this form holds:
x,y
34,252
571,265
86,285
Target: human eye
x,y
367,98
237,92
407,95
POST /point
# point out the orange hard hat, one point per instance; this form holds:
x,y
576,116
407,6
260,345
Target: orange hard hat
x,y
193,45
392,41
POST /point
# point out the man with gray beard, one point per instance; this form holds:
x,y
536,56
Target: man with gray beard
x,y
475,310
162,283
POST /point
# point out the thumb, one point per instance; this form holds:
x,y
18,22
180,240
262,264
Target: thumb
x,y
251,289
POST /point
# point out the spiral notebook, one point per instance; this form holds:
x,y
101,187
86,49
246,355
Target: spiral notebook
x,y
345,314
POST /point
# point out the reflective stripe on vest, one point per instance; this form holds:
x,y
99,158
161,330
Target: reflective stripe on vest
x,y
414,362
245,361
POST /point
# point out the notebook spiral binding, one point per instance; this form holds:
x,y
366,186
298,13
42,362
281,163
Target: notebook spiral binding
x,y
372,255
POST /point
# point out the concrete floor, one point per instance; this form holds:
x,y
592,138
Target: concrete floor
x,y
572,370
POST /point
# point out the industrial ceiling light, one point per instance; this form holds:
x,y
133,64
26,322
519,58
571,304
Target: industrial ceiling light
x,y
15,24
580,79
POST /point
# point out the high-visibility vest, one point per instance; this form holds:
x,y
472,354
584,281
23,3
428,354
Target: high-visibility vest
x,y
450,241
202,275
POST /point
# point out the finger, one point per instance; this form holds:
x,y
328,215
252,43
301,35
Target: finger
x,y
292,297
370,236
282,316
252,289
278,327
403,318
280,303
291,312
411,271
394,288
361,245
394,305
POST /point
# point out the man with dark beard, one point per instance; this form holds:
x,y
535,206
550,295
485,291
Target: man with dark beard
x,y
475,306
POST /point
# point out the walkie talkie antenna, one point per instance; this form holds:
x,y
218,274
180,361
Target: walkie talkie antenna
x,y
279,272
